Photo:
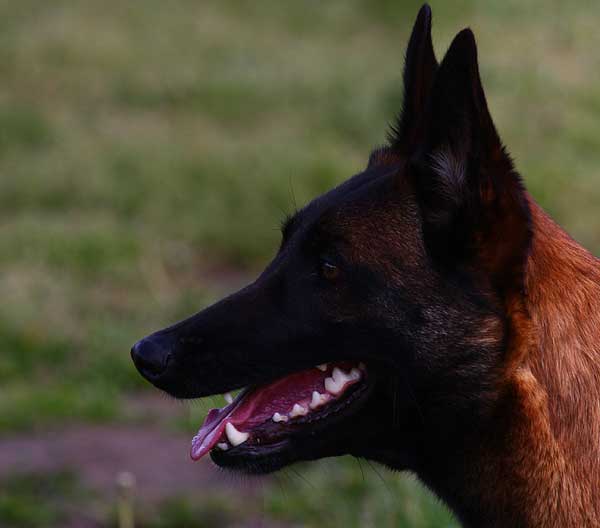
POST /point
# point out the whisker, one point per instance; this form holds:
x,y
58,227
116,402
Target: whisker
x,y
304,479
291,190
361,468
386,485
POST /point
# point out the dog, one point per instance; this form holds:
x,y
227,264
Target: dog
x,y
425,314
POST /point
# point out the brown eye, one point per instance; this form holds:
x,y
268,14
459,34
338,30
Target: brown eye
x,y
329,270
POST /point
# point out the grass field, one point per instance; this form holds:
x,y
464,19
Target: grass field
x,y
147,155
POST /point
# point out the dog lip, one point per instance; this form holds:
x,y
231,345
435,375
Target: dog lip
x,y
236,458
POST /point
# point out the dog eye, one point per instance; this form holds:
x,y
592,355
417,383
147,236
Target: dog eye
x,y
329,271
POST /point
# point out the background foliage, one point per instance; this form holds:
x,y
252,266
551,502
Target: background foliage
x,y
148,152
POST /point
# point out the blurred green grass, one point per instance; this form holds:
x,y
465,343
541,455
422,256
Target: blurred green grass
x,y
36,500
148,153
353,495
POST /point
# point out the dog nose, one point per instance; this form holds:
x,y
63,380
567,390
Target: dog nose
x,y
150,357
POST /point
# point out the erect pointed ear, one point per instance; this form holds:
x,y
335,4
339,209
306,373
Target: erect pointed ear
x,y
459,119
419,71
475,210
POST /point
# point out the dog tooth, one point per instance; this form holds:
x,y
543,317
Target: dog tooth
x,y
234,436
337,375
318,400
322,367
298,410
223,446
340,376
280,418
228,397
355,374
333,386
315,400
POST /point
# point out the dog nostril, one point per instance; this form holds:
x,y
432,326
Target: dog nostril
x,y
150,357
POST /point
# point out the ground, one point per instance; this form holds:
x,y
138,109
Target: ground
x,y
147,156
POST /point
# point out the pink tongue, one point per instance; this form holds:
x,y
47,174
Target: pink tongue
x,y
257,406
209,434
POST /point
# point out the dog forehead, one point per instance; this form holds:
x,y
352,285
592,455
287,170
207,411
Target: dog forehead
x,y
364,185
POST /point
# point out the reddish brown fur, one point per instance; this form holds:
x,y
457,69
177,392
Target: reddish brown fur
x,y
541,467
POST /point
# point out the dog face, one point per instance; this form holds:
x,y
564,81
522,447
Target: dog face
x,y
380,324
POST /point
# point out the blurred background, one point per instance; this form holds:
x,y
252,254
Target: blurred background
x,y
148,152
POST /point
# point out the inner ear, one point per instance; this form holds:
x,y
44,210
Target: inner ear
x,y
419,72
475,211
459,120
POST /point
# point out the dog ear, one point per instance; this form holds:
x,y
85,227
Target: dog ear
x,y
475,210
419,71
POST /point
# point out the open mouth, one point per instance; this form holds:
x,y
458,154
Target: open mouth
x,y
262,418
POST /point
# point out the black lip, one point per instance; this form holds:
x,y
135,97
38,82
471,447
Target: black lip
x,y
300,440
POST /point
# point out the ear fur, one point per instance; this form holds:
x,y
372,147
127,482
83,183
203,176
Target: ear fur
x,y
459,119
475,210
419,72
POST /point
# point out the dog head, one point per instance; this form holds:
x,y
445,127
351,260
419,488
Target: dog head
x,y
379,328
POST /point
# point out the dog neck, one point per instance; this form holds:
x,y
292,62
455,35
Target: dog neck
x,y
537,464
563,302
563,296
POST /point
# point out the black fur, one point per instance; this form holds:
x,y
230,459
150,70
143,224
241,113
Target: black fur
x,y
420,67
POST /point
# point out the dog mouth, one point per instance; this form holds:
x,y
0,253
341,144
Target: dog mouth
x,y
262,419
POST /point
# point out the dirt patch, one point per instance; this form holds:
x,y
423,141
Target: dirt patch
x,y
98,456
159,460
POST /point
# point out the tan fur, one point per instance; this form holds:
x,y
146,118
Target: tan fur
x,y
548,465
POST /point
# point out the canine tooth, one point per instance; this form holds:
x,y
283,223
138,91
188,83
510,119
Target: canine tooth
x,y
223,446
228,397
298,410
355,374
318,400
280,418
322,367
234,436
